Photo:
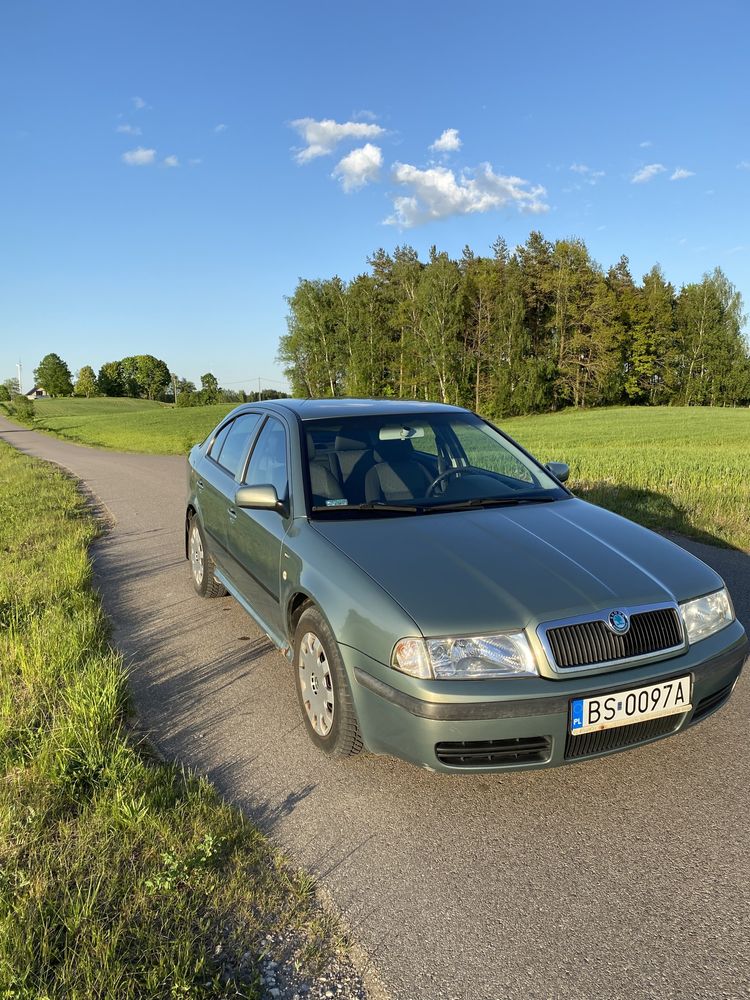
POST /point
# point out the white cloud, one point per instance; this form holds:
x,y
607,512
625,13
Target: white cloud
x,y
647,173
449,142
323,136
128,129
221,127
139,157
437,193
646,143
743,165
359,167
195,161
590,175
171,161
138,103
680,174
369,116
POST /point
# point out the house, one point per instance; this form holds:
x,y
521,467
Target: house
x,y
36,393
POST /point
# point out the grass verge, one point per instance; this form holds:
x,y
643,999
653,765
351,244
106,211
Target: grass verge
x,y
120,877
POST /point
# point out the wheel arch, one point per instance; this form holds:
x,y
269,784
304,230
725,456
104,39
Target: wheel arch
x,y
190,513
297,603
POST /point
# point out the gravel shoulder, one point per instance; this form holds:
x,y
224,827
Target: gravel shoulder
x,y
622,877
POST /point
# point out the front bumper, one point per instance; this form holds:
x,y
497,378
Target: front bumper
x,y
522,724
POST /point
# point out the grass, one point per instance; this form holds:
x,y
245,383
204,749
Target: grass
x,y
128,424
686,469
119,876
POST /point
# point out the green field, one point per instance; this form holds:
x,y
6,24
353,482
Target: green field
x,y
687,469
128,424
120,878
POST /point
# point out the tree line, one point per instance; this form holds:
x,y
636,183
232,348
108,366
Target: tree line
x,y
140,376
536,329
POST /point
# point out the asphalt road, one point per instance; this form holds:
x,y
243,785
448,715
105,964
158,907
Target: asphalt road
x,y
622,877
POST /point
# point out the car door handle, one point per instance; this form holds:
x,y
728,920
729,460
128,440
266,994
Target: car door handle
x,y
232,514
200,484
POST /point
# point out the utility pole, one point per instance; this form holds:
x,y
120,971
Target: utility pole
x,y
20,387
258,388
174,388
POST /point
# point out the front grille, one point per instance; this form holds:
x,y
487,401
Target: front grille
x,y
711,703
623,736
478,753
587,643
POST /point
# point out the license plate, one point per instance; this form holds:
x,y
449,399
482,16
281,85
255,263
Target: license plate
x,y
607,711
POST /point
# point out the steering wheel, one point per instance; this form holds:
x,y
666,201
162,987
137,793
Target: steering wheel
x,y
459,470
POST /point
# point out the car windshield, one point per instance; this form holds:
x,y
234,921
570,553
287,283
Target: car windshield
x,y
418,464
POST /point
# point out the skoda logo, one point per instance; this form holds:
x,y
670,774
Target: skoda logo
x,y
619,622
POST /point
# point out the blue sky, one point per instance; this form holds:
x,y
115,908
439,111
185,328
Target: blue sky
x,y
158,197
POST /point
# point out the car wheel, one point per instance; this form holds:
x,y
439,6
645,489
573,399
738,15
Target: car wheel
x,y
323,688
201,564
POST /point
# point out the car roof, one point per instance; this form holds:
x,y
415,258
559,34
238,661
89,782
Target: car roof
x,y
316,409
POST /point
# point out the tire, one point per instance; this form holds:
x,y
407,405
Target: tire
x,y
201,564
323,688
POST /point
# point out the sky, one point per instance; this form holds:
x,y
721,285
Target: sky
x,y
169,170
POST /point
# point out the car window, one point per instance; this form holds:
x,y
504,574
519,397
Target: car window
x,y
482,452
268,461
219,440
237,441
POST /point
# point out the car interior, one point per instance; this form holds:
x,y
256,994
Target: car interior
x,y
392,463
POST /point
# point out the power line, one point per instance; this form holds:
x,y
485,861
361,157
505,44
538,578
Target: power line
x,y
255,378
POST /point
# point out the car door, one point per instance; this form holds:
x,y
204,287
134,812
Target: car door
x,y
255,537
217,482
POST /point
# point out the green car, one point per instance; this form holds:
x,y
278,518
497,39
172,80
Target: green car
x,y
443,597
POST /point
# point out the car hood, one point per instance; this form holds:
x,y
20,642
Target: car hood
x,y
469,572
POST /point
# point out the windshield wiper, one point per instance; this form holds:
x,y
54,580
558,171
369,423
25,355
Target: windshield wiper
x,y
373,505
487,502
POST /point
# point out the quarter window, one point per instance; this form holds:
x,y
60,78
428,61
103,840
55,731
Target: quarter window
x,y
268,461
219,440
236,442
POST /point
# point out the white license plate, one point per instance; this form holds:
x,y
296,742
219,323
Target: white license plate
x,y
607,711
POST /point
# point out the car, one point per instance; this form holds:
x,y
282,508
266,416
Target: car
x,y
443,597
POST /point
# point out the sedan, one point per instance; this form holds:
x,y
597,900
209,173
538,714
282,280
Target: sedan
x,y
443,597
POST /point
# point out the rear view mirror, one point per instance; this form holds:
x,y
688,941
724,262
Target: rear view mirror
x,y
559,470
258,498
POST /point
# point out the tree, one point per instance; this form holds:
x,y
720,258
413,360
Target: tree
x,y
186,394
314,349
518,332
441,310
53,375
109,380
210,390
85,382
8,389
152,375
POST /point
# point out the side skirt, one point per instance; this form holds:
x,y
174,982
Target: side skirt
x,y
281,644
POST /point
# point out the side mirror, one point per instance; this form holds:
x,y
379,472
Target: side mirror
x,y
259,498
559,470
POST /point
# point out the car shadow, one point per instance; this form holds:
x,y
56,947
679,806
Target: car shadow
x,y
649,508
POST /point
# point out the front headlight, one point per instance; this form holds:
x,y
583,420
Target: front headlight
x,y
707,615
505,655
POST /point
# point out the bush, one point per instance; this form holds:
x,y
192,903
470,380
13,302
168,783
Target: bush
x,y
22,409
